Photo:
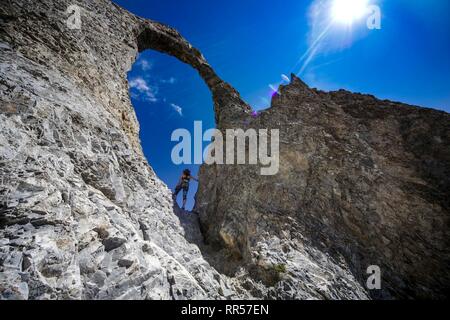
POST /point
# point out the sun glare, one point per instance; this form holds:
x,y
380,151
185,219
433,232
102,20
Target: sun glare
x,y
347,11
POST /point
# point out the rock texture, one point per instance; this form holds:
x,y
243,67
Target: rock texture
x,y
362,182
83,215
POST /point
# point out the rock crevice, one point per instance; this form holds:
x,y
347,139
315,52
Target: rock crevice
x,y
362,182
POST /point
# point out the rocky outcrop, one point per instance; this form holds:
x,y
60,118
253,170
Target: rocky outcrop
x,y
83,215
362,182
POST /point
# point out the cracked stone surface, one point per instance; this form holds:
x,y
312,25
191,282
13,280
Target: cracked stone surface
x,y
362,182
82,214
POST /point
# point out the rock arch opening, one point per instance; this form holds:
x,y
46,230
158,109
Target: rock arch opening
x,y
168,95
184,101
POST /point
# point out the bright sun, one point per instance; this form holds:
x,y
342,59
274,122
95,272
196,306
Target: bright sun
x,y
347,11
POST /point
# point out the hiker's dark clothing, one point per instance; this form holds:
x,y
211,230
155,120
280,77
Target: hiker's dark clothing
x,y
183,185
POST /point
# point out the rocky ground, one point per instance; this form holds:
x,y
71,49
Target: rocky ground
x,y
83,215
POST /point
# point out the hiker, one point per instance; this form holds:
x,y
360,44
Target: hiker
x,y
183,184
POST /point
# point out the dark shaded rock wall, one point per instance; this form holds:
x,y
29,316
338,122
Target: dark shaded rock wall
x,y
363,180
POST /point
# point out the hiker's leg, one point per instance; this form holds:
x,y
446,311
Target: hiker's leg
x,y
177,190
185,191
175,194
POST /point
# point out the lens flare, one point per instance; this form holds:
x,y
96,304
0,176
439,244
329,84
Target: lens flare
x,y
348,11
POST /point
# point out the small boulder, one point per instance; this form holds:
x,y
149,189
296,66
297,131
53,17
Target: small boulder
x,y
112,243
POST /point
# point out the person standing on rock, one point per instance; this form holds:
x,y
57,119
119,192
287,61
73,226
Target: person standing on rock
x,y
183,184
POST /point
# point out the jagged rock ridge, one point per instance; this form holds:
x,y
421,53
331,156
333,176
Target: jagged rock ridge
x,y
363,181
82,215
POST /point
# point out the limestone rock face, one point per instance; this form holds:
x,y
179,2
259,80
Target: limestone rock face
x,y
83,216
361,182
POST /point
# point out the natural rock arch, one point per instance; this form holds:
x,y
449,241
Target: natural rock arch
x,y
228,105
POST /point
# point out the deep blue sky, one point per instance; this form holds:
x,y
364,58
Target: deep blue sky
x,y
251,43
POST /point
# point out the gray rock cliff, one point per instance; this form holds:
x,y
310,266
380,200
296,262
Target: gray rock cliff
x,y
82,214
